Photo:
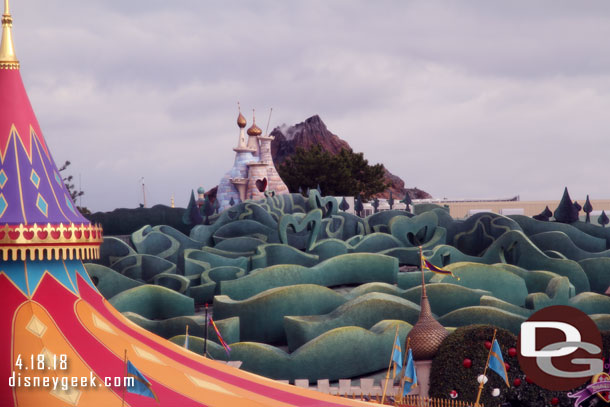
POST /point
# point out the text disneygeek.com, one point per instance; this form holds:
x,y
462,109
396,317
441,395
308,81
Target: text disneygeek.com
x,y
42,363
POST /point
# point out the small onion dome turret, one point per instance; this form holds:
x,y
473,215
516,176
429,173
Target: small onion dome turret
x,y
201,191
241,121
254,130
427,334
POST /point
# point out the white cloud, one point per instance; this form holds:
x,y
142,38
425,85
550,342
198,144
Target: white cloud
x,y
462,99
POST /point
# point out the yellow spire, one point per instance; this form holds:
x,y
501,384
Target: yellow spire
x,y
8,59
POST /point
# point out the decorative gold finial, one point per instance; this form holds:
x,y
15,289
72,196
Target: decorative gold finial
x,y
8,59
254,130
241,120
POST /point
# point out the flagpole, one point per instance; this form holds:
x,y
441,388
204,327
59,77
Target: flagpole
x,y
205,343
124,387
404,367
387,376
476,403
421,266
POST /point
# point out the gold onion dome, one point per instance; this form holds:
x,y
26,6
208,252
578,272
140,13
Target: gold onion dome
x,y
427,334
241,121
254,130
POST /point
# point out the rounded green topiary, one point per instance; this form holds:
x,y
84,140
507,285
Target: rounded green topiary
x,y
448,372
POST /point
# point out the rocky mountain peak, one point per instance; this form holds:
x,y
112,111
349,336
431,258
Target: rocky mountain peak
x,y
314,131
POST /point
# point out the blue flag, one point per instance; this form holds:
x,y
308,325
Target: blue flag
x,y
496,362
397,356
141,384
410,375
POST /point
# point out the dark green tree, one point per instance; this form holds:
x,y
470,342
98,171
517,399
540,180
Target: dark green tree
x,y
375,205
391,201
344,174
588,208
232,201
603,219
566,212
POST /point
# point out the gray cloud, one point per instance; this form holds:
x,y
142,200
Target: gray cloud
x,y
462,99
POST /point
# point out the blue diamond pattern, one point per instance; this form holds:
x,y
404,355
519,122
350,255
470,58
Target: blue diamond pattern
x,y
58,179
69,203
3,178
35,178
3,205
42,205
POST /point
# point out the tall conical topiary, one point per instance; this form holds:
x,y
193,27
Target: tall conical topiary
x,y
407,201
391,200
588,208
376,205
344,206
191,215
544,215
566,212
208,210
358,207
603,219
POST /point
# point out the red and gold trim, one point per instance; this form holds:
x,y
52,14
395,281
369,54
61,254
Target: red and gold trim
x,y
50,242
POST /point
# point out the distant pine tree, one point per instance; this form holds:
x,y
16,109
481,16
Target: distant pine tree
x,y
391,201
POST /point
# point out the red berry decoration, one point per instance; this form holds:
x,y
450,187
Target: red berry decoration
x,y
488,344
467,363
554,401
453,394
517,382
507,366
512,352
527,379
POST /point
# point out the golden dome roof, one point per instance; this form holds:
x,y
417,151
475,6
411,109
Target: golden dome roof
x,y
241,121
427,334
254,130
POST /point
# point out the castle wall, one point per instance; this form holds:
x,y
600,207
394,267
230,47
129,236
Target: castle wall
x,y
275,183
226,190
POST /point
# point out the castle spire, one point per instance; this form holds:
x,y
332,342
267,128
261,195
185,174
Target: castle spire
x,y
8,59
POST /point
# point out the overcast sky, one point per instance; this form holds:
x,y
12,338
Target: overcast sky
x,y
468,99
